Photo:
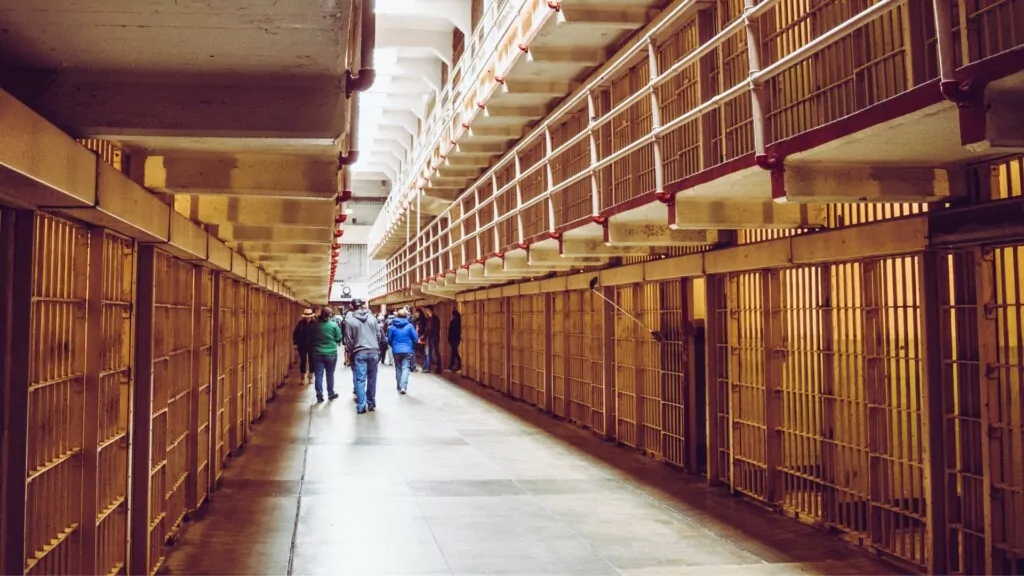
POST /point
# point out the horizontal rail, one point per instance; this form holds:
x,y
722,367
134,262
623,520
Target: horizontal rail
x,y
477,54
456,217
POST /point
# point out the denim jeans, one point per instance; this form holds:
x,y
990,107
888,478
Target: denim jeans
x,y
403,363
364,377
324,363
433,355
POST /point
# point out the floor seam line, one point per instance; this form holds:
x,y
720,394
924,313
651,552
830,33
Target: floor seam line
x,y
298,502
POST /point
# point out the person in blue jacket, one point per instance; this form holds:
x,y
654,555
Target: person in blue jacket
x,y
402,337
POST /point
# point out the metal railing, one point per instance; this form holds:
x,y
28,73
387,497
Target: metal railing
x,y
470,227
479,55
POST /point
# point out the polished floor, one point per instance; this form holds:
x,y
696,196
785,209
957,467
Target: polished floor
x,y
453,479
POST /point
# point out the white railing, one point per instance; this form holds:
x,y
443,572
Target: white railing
x,y
478,56
378,278
426,260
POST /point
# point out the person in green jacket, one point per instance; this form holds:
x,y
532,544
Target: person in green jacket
x,y
326,339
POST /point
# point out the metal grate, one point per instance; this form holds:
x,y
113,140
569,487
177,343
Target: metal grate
x,y
114,393
981,311
648,373
627,357
204,332
495,326
675,364
55,397
560,393
172,377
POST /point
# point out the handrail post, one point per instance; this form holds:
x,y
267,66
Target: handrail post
x,y
549,177
595,189
476,217
519,196
494,212
652,73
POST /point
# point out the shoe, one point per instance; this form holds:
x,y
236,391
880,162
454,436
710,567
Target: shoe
x,y
363,411
319,400
372,408
402,392
332,396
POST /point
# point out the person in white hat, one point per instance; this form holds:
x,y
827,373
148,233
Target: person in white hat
x,y
302,338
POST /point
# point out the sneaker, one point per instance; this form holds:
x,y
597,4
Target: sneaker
x,y
372,408
332,396
402,392
363,411
319,400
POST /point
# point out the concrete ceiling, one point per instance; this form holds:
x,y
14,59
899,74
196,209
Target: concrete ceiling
x,y
414,40
236,108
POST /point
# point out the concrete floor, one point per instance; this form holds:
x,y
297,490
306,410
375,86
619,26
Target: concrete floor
x,y
453,479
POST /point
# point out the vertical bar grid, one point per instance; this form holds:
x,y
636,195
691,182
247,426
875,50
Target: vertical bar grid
x,y
626,386
55,398
675,365
801,428
649,373
1004,311
894,395
559,336
204,332
118,295
747,381
172,387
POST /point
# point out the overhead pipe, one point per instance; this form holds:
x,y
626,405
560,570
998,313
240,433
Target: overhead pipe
x,y
365,77
949,86
772,164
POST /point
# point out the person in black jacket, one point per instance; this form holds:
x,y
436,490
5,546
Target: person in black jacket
x,y
454,339
302,338
433,354
420,363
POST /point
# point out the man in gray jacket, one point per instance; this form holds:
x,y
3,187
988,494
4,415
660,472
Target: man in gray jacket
x,y
362,337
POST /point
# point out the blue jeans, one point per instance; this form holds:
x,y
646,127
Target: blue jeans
x,y
364,378
324,363
431,350
403,363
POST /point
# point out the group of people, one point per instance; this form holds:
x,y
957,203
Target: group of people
x,y
369,341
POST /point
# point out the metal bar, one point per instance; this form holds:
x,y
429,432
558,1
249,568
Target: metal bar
x,y
215,371
142,407
933,449
549,381
93,367
991,442
608,337
194,482
754,80
17,242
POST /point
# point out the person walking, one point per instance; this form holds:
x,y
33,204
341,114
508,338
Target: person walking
x,y
420,320
363,336
327,337
454,339
433,355
402,337
302,338
389,355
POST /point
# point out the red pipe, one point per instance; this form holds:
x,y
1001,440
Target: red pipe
x,y
348,159
364,79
